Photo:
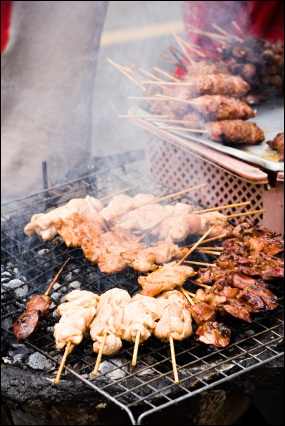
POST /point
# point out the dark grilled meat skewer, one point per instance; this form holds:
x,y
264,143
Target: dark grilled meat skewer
x,y
36,308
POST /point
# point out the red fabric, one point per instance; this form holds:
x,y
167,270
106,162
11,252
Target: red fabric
x,y
6,11
267,19
263,19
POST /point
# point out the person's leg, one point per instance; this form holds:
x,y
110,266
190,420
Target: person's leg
x,y
47,77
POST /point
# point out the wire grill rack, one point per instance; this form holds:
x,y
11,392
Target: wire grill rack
x,y
149,386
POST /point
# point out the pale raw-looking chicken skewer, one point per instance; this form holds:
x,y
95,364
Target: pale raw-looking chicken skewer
x,y
76,316
106,327
44,223
47,225
175,322
139,320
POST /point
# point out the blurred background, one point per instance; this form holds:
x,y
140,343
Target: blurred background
x,y
135,33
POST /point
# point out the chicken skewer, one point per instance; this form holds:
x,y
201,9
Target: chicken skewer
x,y
76,316
106,327
175,323
37,308
139,320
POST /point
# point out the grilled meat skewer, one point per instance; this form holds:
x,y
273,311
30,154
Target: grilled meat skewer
x,y
235,132
36,308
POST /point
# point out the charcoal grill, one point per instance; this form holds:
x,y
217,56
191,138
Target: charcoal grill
x,y
148,388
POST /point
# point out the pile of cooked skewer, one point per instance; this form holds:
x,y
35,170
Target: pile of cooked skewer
x,y
213,94
235,284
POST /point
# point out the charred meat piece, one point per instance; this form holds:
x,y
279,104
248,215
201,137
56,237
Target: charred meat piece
x,y
237,309
27,323
235,132
203,312
214,333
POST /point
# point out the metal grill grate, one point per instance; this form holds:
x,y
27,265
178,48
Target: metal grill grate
x,y
149,385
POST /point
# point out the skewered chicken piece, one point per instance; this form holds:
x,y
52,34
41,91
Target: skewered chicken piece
x,y
177,228
214,333
148,259
176,320
235,132
121,204
166,277
140,315
77,228
44,223
106,249
108,321
76,316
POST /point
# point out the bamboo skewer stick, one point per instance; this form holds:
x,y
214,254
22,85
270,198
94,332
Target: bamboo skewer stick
x,y
184,129
199,263
215,253
158,200
190,294
99,356
212,209
146,117
56,277
126,74
166,197
179,60
195,245
167,56
218,237
238,28
185,292
214,36
221,30
166,74
174,366
113,194
136,347
193,47
210,248
182,46
150,75
246,214
207,287
66,352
